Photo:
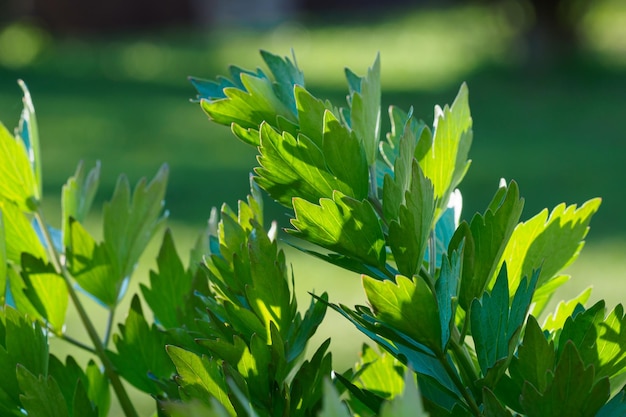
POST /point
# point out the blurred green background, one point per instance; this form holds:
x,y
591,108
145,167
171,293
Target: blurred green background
x,y
547,92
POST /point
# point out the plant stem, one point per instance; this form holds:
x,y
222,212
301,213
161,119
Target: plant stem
x,y
109,370
465,363
459,384
107,333
77,343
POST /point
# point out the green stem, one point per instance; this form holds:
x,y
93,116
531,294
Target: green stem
x,y
77,343
109,369
460,386
109,328
464,362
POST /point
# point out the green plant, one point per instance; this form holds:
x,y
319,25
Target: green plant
x,y
454,306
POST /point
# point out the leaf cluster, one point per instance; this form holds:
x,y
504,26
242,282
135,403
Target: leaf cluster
x,y
454,307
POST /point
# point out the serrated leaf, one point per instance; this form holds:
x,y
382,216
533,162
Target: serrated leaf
x,y
446,290
564,310
344,156
86,391
248,106
141,357
295,167
408,236
129,222
343,225
551,243
41,396
46,290
287,76
535,359
446,163
24,343
409,404
20,236
490,234
407,305
169,286
200,378
268,293
495,326
92,265
571,392
365,109
18,185
310,115
78,194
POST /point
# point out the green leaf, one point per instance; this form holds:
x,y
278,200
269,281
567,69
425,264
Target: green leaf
x,y
492,406
287,76
490,234
345,157
379,373
200,378
19,185
92,265
407,305
141,357
535,359
20,236
495,326
409,404
365,109
169,287
28,132
408,236
333,406
343,225
249,106
86,394
551,243
311,113
46,290
268,294
41,396
3,261
571,391
78,194
446,163
129,223
23,343
296,167
555,321
446,290
599,340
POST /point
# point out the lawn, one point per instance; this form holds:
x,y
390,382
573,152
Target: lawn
x,y
124,100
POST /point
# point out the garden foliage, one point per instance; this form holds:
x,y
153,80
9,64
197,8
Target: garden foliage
x,y
456,308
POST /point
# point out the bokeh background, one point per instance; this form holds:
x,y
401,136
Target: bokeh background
x,y
547,86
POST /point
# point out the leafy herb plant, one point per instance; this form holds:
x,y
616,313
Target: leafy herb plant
x,y
456,308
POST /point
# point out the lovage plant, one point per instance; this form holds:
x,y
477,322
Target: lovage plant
x,y
456,308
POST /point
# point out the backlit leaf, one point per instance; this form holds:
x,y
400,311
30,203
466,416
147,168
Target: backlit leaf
x,y
18,185
78,194
41,395
407,305
548,242
200,378
343,225
446,163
